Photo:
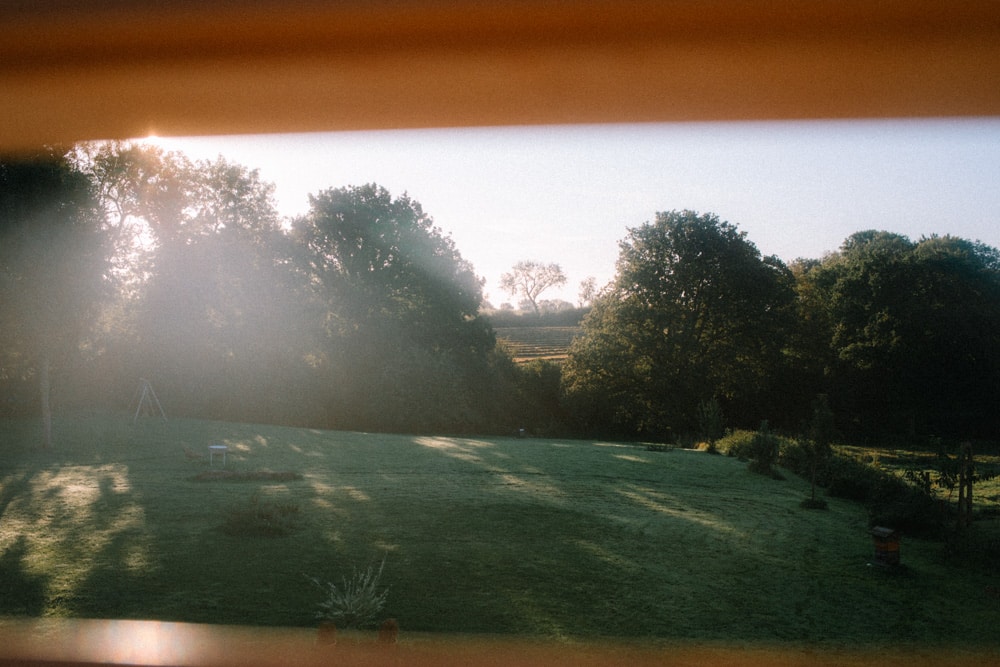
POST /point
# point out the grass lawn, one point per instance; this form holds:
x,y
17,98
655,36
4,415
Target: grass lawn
x,y
545,538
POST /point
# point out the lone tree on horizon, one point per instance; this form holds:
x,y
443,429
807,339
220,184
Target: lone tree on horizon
x,y
529,279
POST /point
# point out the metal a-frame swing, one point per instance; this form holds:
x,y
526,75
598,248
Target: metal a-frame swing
x,y
146,399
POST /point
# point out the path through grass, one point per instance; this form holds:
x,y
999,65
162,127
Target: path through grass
x,y
558,539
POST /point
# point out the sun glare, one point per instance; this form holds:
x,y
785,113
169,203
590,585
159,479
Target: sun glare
x,y
166,144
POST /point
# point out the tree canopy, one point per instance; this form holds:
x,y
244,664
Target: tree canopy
x,y
530,279
120,261
401,310
912,330
52,260
694,313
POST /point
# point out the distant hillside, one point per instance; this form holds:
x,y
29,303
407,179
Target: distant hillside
x,y
538,342
570,317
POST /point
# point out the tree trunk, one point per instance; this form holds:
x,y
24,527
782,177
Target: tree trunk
x,y
45,385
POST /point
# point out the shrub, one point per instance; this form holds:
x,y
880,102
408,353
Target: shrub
x,y
764,450
736,444
261,519
851,479
890,500
708,447
739,444
794,456
355,604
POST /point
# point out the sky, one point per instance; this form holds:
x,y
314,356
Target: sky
x,y
568,194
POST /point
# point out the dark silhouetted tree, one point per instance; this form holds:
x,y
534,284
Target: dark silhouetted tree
x,y
912,330
694,311
404,336
52,263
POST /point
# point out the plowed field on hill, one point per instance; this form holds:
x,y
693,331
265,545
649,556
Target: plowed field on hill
x,y
528,343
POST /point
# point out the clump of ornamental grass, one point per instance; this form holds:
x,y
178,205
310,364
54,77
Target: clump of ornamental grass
x,y
356,602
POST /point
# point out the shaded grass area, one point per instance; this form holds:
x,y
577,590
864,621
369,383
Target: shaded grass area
x,y
547,538
245,476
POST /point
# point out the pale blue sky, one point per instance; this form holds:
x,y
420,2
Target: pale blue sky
x,y
567,194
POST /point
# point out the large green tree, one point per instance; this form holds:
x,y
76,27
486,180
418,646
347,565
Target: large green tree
x,y
52,265
208,306
406,345
145,193
913,333
694,312
219,313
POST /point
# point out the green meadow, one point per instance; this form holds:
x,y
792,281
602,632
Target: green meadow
x,y
551,539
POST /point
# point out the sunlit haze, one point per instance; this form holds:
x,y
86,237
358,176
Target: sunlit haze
x,y
568,194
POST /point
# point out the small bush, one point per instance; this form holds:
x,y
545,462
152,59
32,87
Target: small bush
x,y
355,604
261,519
708,447
739,444
736,444
851,479
890,500
711,423
794,456
764,450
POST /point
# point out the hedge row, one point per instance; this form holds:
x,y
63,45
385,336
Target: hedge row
x,y
890,500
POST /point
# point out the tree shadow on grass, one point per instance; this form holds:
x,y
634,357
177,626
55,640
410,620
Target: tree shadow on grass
x,y
15,485
21,593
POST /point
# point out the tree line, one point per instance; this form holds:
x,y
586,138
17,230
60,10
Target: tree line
x,y
121,261
903,337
